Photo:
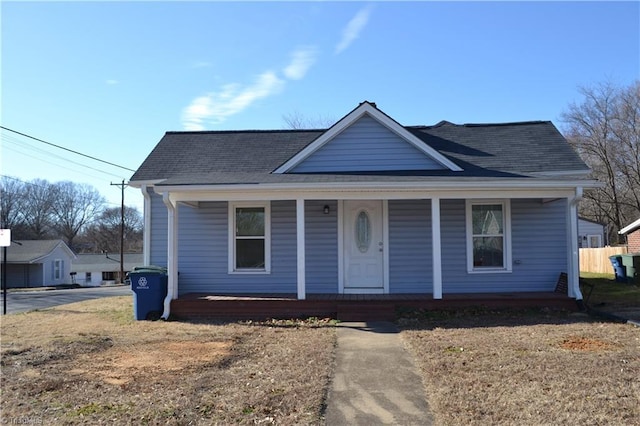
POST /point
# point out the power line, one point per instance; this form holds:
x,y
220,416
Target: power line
x,y
66,149
7,138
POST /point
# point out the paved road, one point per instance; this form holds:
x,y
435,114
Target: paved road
x,y
23,301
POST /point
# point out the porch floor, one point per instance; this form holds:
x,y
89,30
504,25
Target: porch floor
x,y
350,307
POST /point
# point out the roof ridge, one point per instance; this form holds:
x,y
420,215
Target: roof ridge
x,y
449,123
509,123
204,132
418,126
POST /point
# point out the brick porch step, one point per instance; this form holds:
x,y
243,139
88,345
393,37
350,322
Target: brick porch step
x,y
366,311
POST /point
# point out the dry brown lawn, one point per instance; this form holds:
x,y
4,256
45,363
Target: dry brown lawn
x,y
538,368
90,363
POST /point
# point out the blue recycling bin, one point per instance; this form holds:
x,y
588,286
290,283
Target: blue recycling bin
x,y
618,268
149,287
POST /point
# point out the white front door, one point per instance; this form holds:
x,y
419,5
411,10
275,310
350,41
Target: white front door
x,y
363,247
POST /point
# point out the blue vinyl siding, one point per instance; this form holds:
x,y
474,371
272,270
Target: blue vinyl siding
x,y
366,146
538,235
410,262
321,248
158,255
203,258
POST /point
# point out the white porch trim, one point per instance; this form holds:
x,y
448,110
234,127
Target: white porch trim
x,y
436,249
573,261
385,247
146,229
340,246
368,191
172,254
300,244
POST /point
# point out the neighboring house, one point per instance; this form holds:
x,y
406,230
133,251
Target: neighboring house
x,y
366,206
99,269
633,236
590,234
38,263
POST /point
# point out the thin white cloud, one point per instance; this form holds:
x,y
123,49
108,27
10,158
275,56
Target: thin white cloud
x,y
353,29
301,60
216,107
201,64
111,82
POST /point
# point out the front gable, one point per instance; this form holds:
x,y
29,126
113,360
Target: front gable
x,y
366,140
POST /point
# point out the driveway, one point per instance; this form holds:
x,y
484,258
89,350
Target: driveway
x,y
23,301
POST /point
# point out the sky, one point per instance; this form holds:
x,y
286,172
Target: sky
x,y
107,79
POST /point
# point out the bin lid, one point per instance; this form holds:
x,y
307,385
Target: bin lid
x,y
150,269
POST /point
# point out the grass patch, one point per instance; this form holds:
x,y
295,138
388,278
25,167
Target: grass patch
x,y
531,369
91,363
605,291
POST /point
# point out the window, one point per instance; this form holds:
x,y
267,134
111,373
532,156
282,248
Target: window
x,y
57,269
363,231
595,241
249,237
488,236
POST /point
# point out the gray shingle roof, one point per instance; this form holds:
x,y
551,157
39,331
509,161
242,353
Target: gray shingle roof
x,y
482,150
28,251
99,262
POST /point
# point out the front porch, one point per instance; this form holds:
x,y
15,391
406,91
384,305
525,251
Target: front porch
x,y
351,307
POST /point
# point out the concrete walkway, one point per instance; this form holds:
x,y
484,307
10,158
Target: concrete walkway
x,y
376,381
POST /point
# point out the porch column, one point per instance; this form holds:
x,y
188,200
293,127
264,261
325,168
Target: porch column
x,y
573,261
172,249
146,230
300,244
436,248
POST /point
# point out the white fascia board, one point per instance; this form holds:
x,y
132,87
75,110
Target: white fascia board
x,y
359,194
629,228
352,117
450,185
149,183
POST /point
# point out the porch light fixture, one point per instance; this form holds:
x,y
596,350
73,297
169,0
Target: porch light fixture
x,y
326,209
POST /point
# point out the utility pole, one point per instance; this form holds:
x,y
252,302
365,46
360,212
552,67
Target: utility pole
x,y
122,187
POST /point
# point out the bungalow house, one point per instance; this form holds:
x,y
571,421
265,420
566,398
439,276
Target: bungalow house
x,y
367,206
92,270
632,231
38,263
590,234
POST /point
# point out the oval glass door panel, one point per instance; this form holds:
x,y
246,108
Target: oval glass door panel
x,y
363,231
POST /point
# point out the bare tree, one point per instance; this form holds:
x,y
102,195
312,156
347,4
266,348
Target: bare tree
x,y
297,121
605,130
626,129
37,209
75,206
104,233
11,194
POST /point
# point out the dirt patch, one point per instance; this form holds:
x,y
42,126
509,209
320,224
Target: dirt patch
x,y
90,363
121,366
585,344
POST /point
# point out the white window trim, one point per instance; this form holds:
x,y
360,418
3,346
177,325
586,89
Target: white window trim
x,y
232,237
507,255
